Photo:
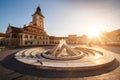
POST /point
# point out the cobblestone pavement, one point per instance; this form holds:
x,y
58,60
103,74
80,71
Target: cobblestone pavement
x,y
8,69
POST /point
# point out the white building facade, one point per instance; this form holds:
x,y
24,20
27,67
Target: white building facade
x,y
30,35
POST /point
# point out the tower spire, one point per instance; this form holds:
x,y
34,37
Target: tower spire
x,y
38,11
38,19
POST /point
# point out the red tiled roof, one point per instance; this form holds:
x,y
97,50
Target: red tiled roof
x,y
25,30
118,30
54,37
15,29
2,35
32,33
31,27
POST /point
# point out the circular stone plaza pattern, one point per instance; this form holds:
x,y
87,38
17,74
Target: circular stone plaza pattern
x,y
63,57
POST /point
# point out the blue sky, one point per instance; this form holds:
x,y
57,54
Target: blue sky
x,y
63,17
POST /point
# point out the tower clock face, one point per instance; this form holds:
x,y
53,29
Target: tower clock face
x,y
37,17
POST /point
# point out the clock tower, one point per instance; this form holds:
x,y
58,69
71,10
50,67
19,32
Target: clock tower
x,y
38,19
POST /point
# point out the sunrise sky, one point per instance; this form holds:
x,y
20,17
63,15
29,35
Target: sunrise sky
x,y
63,17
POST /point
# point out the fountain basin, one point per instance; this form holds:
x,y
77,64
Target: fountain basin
x,y
75,57
87,61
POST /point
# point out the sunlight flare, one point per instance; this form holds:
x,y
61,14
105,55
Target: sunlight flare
x,y
94,32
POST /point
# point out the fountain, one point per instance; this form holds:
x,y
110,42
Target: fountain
x,y
63,52
63,57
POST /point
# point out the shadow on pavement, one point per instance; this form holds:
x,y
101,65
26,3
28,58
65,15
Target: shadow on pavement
x,y
17,77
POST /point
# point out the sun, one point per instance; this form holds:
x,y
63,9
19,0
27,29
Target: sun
x,y
94,32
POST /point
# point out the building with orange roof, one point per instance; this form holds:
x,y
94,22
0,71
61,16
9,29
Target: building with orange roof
x,y
2,38
30,35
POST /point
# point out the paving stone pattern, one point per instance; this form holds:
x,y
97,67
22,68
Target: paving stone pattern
x,y
8,73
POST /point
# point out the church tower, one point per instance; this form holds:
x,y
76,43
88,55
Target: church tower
x,y
38,19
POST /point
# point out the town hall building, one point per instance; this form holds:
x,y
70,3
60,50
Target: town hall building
x,y
30,35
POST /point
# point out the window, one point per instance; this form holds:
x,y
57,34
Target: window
x,y
26,36
20,36
31,43
43,38
1,43
46,38
26,43
35,37
40,37
30,36
31,30
7,36
35,24
37,43
14,36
